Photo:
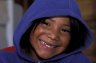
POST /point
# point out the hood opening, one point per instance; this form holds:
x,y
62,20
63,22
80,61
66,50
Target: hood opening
x,y
78,35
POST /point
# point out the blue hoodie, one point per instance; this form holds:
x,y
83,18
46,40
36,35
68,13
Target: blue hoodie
x,y
47,8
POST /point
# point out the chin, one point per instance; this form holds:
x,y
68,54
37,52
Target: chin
x,y
45,55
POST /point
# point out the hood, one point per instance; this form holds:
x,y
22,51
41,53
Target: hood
x,y
49,8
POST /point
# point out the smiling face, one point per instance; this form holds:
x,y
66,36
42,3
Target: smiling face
x,y
51,37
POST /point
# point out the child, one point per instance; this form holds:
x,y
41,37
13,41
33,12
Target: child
x,y
51,31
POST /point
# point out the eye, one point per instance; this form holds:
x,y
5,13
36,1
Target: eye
x,y
45,22
65,30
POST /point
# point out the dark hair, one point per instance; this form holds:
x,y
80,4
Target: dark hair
x,y
78,34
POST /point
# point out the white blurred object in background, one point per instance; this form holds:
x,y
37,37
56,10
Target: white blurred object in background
x,y
9,25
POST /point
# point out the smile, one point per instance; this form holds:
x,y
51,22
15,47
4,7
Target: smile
x,y
47,45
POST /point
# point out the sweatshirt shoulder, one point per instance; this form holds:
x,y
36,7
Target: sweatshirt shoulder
x,y
6,57
81,58
9,51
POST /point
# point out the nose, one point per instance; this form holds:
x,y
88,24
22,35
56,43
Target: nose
x,y
53,34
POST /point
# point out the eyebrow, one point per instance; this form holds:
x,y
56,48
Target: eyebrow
x,y
63,24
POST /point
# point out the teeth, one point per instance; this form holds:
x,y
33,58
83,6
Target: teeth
x,y
44,43
48,46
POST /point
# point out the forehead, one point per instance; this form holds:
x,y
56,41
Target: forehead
x,y
59,20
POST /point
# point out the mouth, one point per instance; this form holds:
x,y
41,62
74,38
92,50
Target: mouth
x,y
47,45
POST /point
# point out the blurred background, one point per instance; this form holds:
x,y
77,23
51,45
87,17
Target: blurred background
x,y
11,12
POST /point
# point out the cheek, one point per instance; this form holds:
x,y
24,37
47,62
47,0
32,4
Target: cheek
x,y
36,34
65,40
39,30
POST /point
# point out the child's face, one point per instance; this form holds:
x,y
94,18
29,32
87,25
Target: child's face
x,y
51,37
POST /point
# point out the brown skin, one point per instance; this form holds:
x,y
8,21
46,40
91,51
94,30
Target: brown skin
x,y
51,37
